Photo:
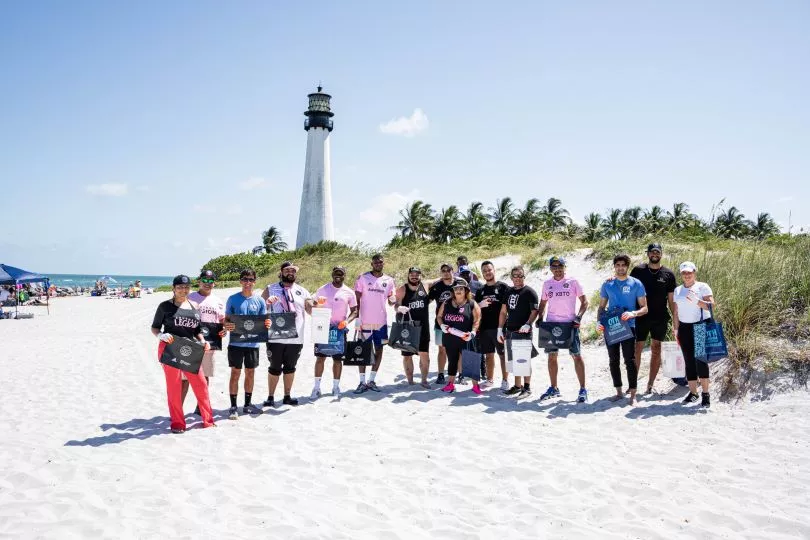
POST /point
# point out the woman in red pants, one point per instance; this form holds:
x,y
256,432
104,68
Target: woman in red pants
x,y
179,317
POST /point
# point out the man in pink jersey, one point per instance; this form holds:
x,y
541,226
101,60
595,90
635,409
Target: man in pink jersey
x,y
560,296
343,303
212,315
375,291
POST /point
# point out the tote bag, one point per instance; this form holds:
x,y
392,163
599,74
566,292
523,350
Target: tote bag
x,y
673,364
184,354
358,352
405,335
710,342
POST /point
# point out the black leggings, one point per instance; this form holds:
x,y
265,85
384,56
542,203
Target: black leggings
x,y
453,345
626,348
694,368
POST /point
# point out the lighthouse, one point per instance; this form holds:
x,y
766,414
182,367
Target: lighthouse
x,y
315,216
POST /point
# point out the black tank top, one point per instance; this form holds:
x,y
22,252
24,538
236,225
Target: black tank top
x,y
460,318
417,301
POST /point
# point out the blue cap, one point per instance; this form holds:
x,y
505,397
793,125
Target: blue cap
x,y
556,259
463,268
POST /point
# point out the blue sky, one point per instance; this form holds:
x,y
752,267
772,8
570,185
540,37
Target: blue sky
x,y
148,137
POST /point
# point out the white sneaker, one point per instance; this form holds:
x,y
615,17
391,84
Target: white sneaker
x,y
504,385
316,393
336,392
486,383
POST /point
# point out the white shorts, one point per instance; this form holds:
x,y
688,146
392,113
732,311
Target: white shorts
x,y
207,365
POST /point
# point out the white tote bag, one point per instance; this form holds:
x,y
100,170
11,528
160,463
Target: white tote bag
x,y
521,359
672,360
320,325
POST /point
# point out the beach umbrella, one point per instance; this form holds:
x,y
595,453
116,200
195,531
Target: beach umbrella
x,y
107,278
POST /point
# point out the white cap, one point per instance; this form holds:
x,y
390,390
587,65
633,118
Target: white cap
x,y
688,266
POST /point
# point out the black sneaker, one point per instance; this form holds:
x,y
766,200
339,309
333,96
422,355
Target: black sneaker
x,y
269,402
440,378
290,401
524,393
705,402
197,411
514,390
690,398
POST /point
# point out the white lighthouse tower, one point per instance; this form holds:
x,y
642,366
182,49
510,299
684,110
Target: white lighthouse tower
x,y
315,217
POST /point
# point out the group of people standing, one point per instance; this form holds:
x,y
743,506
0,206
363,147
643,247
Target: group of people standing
x,y
472,312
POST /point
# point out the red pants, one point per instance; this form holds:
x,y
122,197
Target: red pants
x,y
174,391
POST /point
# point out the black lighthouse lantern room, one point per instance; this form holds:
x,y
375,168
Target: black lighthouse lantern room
x,y
319,114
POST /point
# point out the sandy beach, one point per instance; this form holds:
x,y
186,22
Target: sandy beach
x,y
86,451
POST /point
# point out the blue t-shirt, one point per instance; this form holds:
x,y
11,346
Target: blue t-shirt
x,y
623,295
241,305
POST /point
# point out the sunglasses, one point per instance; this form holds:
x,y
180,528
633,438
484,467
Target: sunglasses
x,y
248,279
557,267
517,276
208,281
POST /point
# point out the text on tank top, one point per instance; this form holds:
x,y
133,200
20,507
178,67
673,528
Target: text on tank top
x,y
417,301
460,318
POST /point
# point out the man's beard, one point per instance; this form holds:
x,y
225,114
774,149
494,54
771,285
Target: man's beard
x,y
414,282
288,279
655,259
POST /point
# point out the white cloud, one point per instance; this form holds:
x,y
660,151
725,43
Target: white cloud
x,y
786,198
407,126
252,183
107,190
142,189
384,209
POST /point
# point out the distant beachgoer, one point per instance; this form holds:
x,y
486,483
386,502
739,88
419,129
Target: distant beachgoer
x,y
286,296
212,310
626,298
519,310
461,260
440,291
343,303
659,284
490,297
180,317
412,300
374,291
693,300
560,295
459,318
244,302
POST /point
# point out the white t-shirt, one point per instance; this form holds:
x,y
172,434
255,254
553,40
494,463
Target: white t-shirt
x,y
688,311
4,294
299,296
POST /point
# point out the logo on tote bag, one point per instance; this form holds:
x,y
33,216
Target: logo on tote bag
x,y
280,322
248,325
405,333
185,350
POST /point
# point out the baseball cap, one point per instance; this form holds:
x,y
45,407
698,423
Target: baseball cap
x,y
557,260
208,274
448,265
460,282
655,246
464,268
181,280
688,266
414,269
341,269
289,264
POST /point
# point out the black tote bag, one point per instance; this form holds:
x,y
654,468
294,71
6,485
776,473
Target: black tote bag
x,y
210,332
249,328
184,354
358,352
405,335
551,335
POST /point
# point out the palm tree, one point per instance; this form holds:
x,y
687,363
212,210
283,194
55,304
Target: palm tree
x,y
527,220
447,225
553,216
764,226
272,241
476,221
593,227
612,223
416,222
502,215
679,217
630,224
731,224
654,220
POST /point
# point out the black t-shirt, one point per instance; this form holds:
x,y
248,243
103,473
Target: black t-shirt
x,y
658,284
490,314
519,306
179,322
417,301
440,292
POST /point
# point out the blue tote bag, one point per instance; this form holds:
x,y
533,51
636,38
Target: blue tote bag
x,y
336,345
710,342
616,330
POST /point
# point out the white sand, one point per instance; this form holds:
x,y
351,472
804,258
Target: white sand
x,y
86,452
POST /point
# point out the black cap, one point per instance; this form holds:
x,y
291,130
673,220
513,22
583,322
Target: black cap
x,y
450,266
208,274
414,269
341,269
655,246
288,264
461,282
181,280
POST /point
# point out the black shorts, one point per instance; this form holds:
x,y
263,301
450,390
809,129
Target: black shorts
x,y
655,328
239,356
424,339
488,342
283,357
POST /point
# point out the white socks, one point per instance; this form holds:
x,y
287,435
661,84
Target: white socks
x,y
363,378
372,376
317,383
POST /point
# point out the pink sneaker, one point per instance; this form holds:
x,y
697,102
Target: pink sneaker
x,y
449,388
476,389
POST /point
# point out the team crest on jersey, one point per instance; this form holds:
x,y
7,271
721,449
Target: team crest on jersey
x,y
461,309
420,293
298,293
626,289
385,284
566,285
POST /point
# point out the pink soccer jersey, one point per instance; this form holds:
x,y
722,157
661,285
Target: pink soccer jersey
x,y
338,300
212,308
375,291
561,297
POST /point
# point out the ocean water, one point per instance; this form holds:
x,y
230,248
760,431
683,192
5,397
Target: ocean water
x,y
87,280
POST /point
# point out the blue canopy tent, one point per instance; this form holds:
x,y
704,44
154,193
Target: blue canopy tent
x,y
10,275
